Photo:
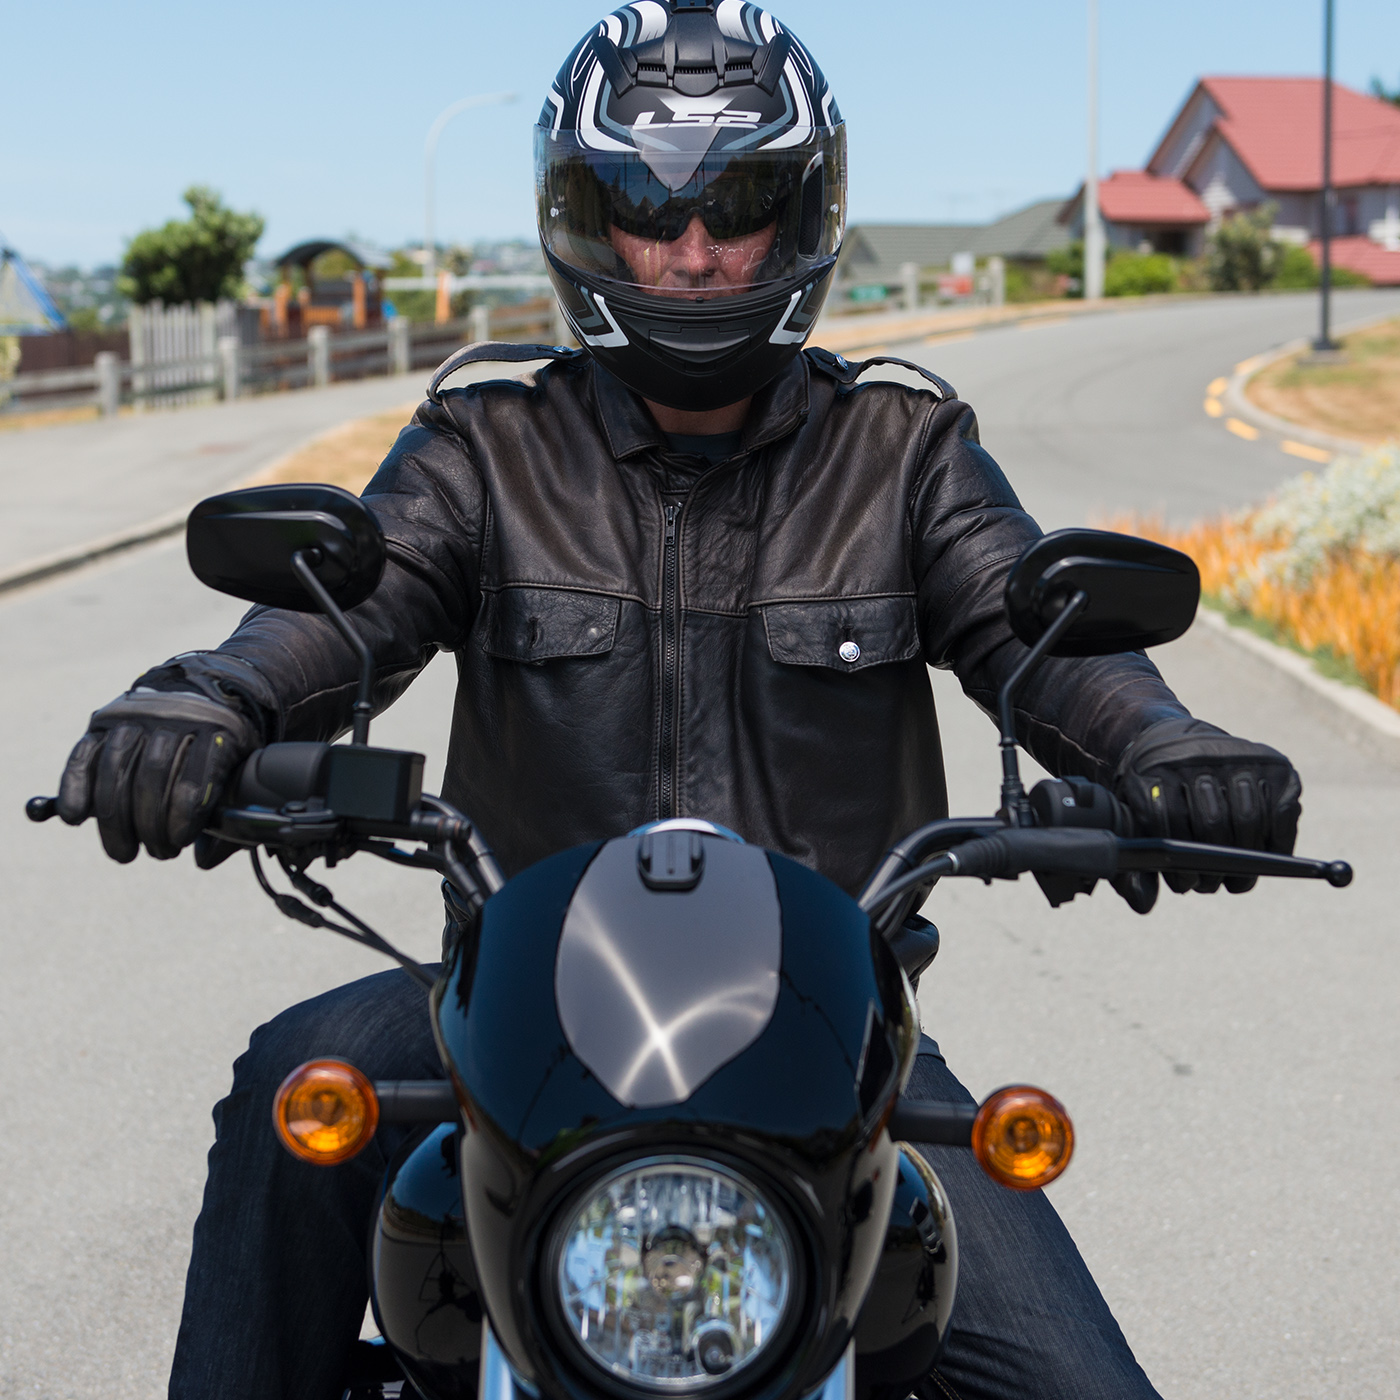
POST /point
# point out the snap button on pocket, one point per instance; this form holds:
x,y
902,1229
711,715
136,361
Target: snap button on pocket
x,y
848,652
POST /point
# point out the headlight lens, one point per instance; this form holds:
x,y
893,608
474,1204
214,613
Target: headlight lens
x,y
674,1273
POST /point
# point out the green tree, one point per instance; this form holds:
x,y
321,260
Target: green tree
x,y
1241,255
196,259
1379,89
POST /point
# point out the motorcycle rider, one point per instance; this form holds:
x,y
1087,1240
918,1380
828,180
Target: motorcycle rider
x,y
688,569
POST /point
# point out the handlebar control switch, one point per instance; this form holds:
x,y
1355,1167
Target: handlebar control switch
x,y
352,780
1061,802
1077,802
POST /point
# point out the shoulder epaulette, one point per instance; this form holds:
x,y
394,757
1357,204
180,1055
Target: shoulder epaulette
x,y
499,351
845,371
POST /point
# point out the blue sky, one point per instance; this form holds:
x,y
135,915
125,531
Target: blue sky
x,y
315,114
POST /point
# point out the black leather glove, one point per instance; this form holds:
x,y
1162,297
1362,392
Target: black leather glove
x,y
153,763
1187,779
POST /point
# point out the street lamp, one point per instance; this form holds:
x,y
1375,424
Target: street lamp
x,y
1093,222
1324,341
489,99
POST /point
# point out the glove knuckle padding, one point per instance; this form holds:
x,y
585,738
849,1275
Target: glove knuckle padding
x,y
111,803
151,767
1186,779
151,790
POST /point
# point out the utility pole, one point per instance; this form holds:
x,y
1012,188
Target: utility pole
x,y
1324,342
489,99
1093,223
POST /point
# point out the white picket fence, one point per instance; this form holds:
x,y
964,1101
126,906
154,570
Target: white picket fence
x,y
170,348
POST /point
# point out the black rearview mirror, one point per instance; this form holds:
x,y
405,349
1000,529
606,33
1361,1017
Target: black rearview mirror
x,y
243,543
1139,593
307,548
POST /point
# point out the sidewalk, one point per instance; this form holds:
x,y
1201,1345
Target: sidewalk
x,y
84,489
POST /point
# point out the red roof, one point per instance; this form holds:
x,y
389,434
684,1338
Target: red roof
x,y
1135,197
1359,254
1274,125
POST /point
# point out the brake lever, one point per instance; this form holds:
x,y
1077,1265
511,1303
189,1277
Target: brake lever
x,y
1196,858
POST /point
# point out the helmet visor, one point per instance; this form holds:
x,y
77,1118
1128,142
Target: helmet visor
x,y
667,221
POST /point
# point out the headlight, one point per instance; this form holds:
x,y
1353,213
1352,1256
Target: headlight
x,y
674,1273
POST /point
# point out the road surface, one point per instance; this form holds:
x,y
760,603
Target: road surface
x,y
1232,1063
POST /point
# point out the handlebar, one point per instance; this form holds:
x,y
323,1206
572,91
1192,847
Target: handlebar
x,y
1096,855
332,796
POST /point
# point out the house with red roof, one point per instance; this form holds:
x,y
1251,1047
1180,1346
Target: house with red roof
x,y
1238,143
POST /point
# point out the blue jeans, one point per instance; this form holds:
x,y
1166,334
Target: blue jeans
x,y
278,1279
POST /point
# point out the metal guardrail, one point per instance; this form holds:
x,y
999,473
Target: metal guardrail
x,y
238,369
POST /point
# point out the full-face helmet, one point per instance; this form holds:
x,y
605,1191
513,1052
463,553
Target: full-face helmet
x,y
690,174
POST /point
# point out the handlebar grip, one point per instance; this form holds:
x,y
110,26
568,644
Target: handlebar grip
x,y
1084,851
41,809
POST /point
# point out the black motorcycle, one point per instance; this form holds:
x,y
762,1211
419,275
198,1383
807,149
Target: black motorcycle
x,y
670,1154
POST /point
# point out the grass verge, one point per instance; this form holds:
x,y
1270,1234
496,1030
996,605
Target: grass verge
x,y
1357,398
346,456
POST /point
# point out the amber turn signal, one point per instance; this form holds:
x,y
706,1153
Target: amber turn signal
x,y
1022,1137
325,1112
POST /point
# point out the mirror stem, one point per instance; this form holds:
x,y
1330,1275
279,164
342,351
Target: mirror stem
x,y
363,709
1015,805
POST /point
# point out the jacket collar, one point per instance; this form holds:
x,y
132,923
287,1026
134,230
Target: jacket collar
x,y
778,408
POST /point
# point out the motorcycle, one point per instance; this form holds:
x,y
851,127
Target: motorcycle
x,y
670,1154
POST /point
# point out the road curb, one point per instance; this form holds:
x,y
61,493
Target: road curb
x,y
1366,716
1237,402
66,560
171,522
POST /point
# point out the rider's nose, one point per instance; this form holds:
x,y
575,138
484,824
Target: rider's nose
x,y
694,250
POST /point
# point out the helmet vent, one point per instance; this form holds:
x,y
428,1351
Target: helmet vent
x,y
768,67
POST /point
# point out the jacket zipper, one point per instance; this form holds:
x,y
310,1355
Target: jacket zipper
x,y
670,664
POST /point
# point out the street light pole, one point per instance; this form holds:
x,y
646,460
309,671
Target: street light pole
x,y
1093,223
489,99
1324,340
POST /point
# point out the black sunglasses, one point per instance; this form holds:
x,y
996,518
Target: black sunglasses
x,y
740,200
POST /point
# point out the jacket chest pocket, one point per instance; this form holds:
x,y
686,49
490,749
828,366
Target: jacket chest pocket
x,y
546,624
843,634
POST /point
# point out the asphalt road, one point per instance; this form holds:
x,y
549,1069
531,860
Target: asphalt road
x,y
1232,1062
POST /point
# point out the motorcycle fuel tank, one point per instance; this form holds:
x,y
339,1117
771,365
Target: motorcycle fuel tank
x,y
564,1026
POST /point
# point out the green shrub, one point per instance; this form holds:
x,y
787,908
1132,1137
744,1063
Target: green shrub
x,y
1241,254
1295,268
1139,274
1345,277
1069,262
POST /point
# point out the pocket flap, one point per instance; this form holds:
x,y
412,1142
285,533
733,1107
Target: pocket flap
x,y
543,624
846,634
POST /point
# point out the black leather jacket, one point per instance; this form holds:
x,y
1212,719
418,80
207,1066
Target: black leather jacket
x,y
637,638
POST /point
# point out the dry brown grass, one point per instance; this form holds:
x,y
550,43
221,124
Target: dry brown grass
x,y
346,456
47,418
1358,399
1349,612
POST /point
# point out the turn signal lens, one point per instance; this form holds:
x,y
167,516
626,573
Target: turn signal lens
x,y
1022,1137
325,1112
